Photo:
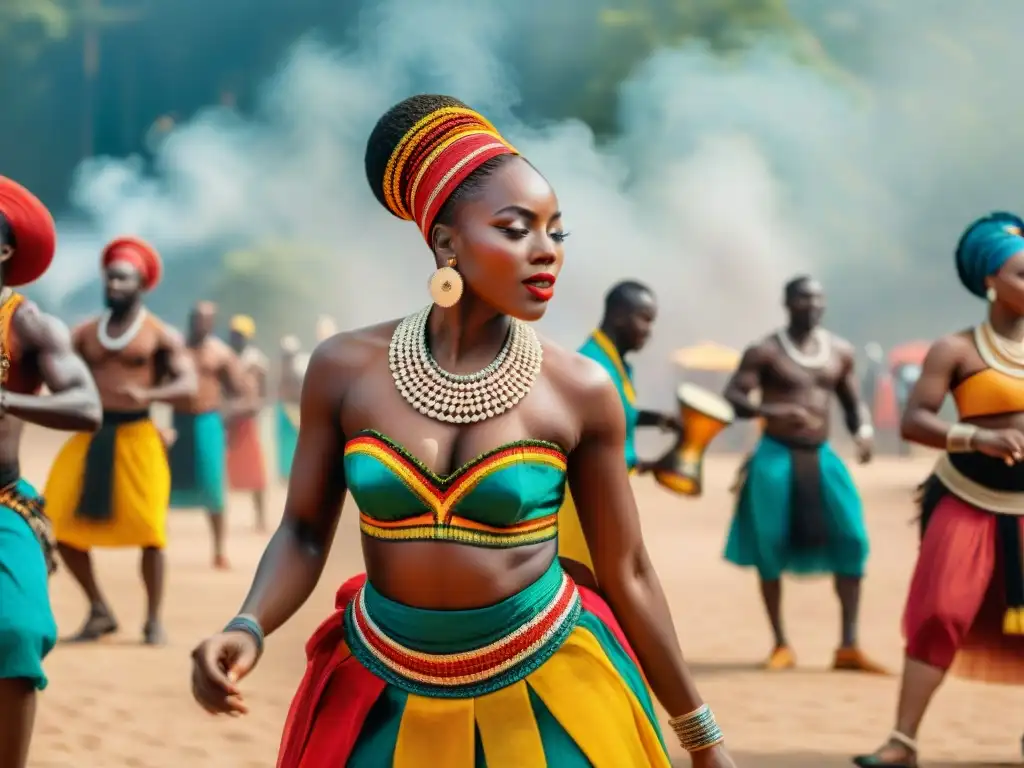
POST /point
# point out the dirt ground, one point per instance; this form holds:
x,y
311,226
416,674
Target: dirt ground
x,y
120,704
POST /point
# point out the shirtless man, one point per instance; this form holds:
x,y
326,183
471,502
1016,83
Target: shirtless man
x,y
246,462
199,452
35,349
798,510
111,489
289,391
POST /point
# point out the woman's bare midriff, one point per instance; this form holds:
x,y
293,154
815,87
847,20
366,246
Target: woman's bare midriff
x,y
446,576
998,421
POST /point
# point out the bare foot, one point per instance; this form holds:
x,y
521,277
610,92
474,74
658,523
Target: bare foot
x,y
854,660
153,633
220,563
780,659
99,624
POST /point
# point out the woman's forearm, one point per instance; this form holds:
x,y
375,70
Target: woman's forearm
x,y
639,604
924,428
286,576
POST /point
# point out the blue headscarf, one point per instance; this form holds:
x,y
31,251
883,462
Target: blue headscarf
x,y
985,246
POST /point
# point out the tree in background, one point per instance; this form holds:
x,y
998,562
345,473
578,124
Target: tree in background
x,y
620,35
275,283
28,25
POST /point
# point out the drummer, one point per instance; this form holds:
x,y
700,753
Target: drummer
x,y
798,510
630,309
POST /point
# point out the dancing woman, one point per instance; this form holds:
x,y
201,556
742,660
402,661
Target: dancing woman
x,y
965,610
455,430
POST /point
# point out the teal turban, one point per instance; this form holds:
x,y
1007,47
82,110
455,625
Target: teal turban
x,y
985,246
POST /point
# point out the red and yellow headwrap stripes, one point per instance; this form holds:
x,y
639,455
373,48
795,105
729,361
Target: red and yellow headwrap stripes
x,y
433,158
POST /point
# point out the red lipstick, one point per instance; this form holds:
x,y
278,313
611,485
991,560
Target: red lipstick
x,y
541,286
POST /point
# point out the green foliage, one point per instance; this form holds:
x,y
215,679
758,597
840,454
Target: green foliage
x,y
623,34
272,283
26,26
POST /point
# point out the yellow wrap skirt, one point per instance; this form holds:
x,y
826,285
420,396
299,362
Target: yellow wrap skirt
x,y
572,544
111,488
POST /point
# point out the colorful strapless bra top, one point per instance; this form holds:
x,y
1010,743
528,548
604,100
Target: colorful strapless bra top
x,y
507,497
989,392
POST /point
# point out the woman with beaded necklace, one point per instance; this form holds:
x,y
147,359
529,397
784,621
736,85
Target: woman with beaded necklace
x,y
455,430
965,609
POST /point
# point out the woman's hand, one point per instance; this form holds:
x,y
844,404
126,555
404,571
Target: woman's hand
x,y
716,757
218,663
1005,444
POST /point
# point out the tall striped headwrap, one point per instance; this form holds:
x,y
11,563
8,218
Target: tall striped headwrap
x,y
433,158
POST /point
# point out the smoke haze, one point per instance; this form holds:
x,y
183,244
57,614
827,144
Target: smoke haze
x,y
728,176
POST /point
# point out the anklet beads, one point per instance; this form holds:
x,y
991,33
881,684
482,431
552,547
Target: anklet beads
x,y
249,625
697,730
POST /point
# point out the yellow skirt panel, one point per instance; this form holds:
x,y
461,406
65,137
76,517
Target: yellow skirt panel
x,y
578,685
141,491
571,541
572,544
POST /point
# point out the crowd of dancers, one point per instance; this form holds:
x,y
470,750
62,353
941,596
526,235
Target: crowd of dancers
x,y
509,614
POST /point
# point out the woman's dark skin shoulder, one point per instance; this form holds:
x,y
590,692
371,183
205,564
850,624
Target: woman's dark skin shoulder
x,y
586,389
957,354
950,361
317,487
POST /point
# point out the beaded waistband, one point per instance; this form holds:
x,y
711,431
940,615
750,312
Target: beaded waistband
x,y
465,674
31,508
461,531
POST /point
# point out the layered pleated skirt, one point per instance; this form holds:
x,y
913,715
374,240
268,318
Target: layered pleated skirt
x,y
543,679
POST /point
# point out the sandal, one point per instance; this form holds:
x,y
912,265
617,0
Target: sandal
x,y
781,658
897,741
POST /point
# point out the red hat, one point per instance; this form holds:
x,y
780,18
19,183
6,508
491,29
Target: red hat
x,y
139,254
34,232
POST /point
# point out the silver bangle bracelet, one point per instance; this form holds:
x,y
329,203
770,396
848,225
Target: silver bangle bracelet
x,y
697,730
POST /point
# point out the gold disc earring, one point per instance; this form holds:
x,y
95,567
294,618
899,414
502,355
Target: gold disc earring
x,y
446,285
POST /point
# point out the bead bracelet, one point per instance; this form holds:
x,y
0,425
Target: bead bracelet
x,y
248,624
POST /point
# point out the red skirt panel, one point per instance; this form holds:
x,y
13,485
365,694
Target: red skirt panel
x,y
246,466
954,613
337,693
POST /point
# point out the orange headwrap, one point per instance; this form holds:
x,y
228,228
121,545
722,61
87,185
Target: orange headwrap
x,y
34,233
433,158
139,254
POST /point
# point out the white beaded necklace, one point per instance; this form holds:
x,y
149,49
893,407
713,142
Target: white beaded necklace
x,y
463,398
116,345
819,359
1000,353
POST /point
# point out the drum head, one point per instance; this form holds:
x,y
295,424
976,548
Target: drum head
x,y
706,402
